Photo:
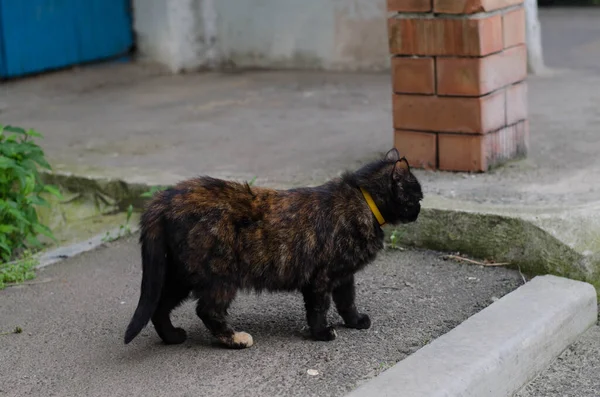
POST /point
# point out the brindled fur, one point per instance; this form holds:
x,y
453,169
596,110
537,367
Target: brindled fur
x,y
210,238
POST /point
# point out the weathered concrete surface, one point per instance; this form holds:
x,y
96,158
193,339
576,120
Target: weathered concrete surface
x,y
289,129
574,373
571,37
498,350
338,35
73,323
186,35
131,122
535,50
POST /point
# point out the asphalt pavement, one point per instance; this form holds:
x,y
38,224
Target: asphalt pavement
x,y
74,314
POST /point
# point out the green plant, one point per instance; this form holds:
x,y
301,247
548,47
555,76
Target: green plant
x,y
394,239
21,189
153,190
18,271
17,330
124,229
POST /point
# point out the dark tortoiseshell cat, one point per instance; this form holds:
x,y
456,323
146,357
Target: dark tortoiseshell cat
x,y
211,237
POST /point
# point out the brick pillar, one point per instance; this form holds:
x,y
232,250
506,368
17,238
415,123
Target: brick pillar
x,y
459,70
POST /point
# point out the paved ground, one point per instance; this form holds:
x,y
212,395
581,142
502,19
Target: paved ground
x,y
571,37
73,325
287,128
573,374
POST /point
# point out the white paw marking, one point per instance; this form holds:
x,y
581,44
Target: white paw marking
x,y
243,338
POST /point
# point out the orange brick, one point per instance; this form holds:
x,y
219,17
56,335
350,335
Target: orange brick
x,y
420,148
450,114
479,76
413,75
513,25
409,5
445,36
459,152
471,6
516,103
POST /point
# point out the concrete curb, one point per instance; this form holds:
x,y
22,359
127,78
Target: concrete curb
x,y
514,239
498,350
122,192
56,255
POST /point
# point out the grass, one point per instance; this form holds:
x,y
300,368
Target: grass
x,y
124,228
18,271
394,237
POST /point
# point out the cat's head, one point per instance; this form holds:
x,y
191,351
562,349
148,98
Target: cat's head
x,y
395,190
405,189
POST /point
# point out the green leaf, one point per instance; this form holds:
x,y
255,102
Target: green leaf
x,y
7,229
6,163
15,213
30,187
39,158
16,130
5,251
28,165
34,134
37,200
33,241
41,229
53,190
153,190
12,138
129,212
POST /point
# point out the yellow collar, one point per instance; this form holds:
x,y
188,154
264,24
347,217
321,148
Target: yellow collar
x,y
373,207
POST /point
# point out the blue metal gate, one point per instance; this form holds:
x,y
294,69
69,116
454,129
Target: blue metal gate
x,y
39,35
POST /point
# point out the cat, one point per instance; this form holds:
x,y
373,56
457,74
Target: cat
x,y
211,238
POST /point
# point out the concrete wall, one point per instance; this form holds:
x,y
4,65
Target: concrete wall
x,y
322,34
314,34
535,57
174,32
329,34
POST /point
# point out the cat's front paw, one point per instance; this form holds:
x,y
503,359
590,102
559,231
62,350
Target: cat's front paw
x,y
362,321
325,334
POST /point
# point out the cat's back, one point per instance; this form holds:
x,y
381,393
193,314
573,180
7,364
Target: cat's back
x,y
203,195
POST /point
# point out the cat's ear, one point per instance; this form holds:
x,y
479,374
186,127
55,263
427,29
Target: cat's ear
x,y
401,168
392,155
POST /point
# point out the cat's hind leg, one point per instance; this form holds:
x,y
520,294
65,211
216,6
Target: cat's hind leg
x,y
213,303
172,295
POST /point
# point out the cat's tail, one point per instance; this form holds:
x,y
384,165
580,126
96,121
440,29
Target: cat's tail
x,y
154,264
